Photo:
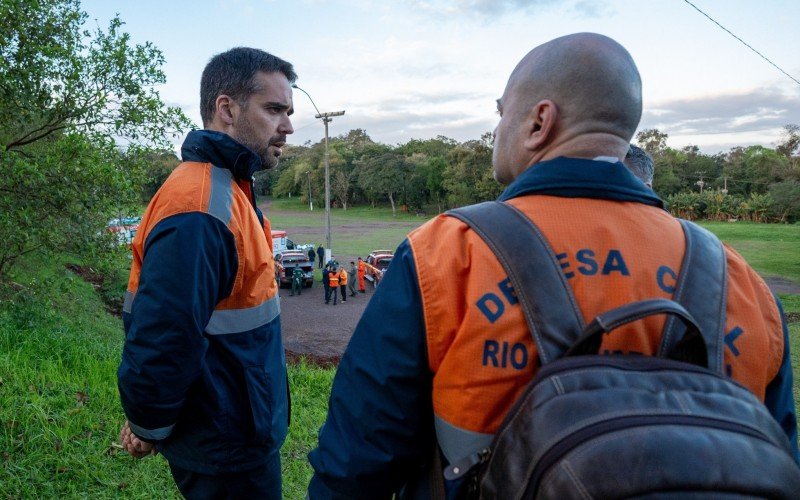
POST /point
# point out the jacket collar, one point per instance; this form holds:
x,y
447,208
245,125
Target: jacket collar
x,y
221,150
580,178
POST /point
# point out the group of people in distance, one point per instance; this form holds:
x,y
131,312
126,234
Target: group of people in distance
x,y
336,279
203,377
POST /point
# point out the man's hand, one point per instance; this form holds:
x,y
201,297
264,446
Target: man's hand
x,y
133,445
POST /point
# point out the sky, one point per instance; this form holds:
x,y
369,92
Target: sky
x,y
416,69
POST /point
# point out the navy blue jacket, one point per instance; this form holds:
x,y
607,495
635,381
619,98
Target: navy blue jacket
x,y
208,386
379,432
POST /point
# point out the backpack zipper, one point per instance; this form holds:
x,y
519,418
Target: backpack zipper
x,y
568,443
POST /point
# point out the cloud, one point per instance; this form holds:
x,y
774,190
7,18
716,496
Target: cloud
x,y
756,110
494,8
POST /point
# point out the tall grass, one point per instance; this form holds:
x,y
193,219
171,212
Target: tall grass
x,y
59,406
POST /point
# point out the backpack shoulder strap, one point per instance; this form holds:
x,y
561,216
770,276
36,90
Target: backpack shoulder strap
x,y
702,289
547,301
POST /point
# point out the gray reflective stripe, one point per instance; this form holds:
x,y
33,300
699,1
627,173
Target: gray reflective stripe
x,y
457,443
242,320
154,434
127,303
221,198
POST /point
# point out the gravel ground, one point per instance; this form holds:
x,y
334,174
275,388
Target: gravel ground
x,y
317,330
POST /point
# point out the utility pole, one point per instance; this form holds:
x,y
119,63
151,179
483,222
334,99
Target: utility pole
x,y
310,203
700,182
326,118
725,189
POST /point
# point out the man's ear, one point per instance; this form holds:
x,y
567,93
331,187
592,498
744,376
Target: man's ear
x,y
224,109
541,121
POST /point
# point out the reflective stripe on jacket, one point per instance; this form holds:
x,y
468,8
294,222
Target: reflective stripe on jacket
x,y
203,369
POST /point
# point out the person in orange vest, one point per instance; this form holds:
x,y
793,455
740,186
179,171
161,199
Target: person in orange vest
x,y
343,282
362,271
193,325
333,282
442,351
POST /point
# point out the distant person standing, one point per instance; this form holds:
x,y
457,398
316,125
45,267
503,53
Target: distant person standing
x,y
362,271
343,283
297,280
311,255
333,281
320,255
351,279
326,282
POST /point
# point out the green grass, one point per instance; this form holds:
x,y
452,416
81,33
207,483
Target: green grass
x,y
772,249
59,406
372,228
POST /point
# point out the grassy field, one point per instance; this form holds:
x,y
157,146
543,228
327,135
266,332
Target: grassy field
x,y
772,249
59,349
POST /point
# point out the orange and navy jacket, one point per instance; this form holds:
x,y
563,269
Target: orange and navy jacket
x,y
203,372
456,354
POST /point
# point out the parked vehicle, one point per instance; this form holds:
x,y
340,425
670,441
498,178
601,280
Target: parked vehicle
x,y
280,243
124,229
286,261
377,263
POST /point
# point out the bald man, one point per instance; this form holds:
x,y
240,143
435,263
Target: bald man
x,y
442,351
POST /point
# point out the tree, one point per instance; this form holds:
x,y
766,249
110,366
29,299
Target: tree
x,y
653,141
790,141
67,95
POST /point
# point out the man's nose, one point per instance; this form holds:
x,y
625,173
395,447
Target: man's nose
x,y
286,126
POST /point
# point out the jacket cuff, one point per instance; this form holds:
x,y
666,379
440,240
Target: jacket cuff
x,y
151,435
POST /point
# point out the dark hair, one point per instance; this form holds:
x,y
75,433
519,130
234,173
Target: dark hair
x,y
639,163
231,73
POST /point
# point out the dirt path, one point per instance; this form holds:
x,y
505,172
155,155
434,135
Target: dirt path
x,y
311,327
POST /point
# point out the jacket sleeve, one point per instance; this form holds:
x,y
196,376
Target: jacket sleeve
x,y
189,265
379,429
779,396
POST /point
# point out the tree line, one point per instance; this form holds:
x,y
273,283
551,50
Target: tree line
x,y
749,183
754,183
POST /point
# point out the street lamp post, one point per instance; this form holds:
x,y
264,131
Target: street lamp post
x,y
310,203
326,118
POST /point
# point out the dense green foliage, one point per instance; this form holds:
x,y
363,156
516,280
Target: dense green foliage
x,y
749,183
418,176
68,97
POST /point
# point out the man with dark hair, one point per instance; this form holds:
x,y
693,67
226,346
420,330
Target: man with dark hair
x,y
640,164
311,255
203,375
320,255
442,351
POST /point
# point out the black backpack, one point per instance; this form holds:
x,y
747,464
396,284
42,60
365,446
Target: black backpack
x,y
614,426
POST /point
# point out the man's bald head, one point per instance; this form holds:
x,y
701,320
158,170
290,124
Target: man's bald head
x,y
591,78
579,95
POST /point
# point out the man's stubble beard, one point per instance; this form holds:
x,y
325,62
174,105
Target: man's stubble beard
x,y
245,135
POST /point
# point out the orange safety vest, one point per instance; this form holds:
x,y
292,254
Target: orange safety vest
x,y
334,280
202,187
342,277
612,253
